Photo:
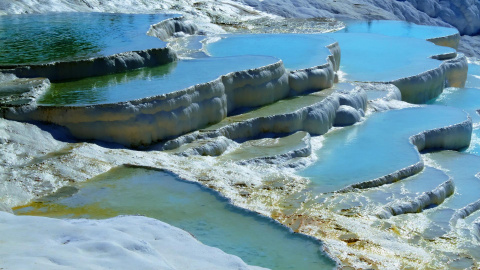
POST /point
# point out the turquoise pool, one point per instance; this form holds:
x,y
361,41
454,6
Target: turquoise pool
x,y
378,58
376,147
297,51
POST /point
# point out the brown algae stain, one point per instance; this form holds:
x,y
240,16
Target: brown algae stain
x,y
36,208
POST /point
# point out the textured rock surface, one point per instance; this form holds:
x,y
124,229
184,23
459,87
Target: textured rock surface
x,y
116,243
463,14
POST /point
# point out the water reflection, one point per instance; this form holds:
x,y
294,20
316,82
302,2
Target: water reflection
x,y
44,38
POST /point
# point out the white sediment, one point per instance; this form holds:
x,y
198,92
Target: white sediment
x,y
429,84
208,147
103,65
476,229
464,212
315,119
451,41
434,197
18,91
319,77
302,149
172,27
125,242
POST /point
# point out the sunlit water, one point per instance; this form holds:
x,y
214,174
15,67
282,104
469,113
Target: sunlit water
x,y
378,58
297,51
398,29
210,218
148,82
377,147
51,37
372,199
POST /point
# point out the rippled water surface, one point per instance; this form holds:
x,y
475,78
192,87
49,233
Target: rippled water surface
x,y
44,38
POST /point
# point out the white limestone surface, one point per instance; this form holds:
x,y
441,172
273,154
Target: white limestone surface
x,y
121,62
124,242
315,119
429,84
319,77
172,27
417,204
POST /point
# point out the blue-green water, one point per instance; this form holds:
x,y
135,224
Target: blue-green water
x,y
379,58
52,37
148,82
297,51
398,29
473,78
467,99
376,147
211,219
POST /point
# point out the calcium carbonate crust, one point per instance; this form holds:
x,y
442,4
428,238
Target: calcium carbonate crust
x,y
97,66
115,243
172,27
319,77
419,203
315,119
464,212
429,84
145,121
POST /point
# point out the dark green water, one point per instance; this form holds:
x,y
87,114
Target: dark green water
x,y
42,38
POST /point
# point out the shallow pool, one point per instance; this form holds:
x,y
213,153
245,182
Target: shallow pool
x,y
297,51
398,29
148,82
210,218
378,58
467,99
376,147
42,38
